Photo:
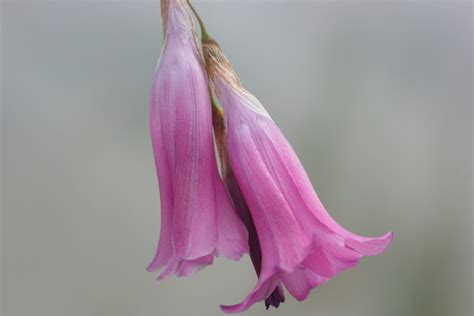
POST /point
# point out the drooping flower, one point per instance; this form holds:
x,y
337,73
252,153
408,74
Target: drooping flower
x,y
197,217
302,246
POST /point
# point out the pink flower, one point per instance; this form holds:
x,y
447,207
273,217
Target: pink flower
x,y
302,246
197,218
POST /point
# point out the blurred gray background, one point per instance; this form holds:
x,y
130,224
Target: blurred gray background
x,y
375,97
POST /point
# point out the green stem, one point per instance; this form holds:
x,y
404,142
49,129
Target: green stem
x,y
204,35
214,102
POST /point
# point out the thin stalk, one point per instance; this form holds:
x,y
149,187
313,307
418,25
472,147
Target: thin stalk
x,y
204,35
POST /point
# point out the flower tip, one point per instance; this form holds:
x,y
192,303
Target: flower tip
x,y
386,239
235,252
243,250
162,276
236,256
151,267
230,309
167,272
373,246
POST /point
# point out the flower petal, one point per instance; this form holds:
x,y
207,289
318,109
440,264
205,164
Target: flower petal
x,y
313,216
301,282
264,287
297,283
233,236
281,239
188,267
372,246
169,269
164,249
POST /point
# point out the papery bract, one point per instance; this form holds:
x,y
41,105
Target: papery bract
x,y
302,245
197,218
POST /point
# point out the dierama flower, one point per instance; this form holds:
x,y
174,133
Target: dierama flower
x,y
302,246
197,218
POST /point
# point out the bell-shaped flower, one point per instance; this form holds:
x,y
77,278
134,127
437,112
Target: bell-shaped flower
x,y
197,217
302,246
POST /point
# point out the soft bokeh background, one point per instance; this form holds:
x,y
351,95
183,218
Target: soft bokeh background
x,y
375,97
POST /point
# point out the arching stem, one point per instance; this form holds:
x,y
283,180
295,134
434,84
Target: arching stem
x,y
204,35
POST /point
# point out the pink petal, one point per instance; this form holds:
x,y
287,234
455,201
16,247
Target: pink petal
x,y
325,264
262,290
194,227
233,236
277,296
188,267
281,239
169,269
164,250
372,246
301,282
297,284
288,170
315,279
